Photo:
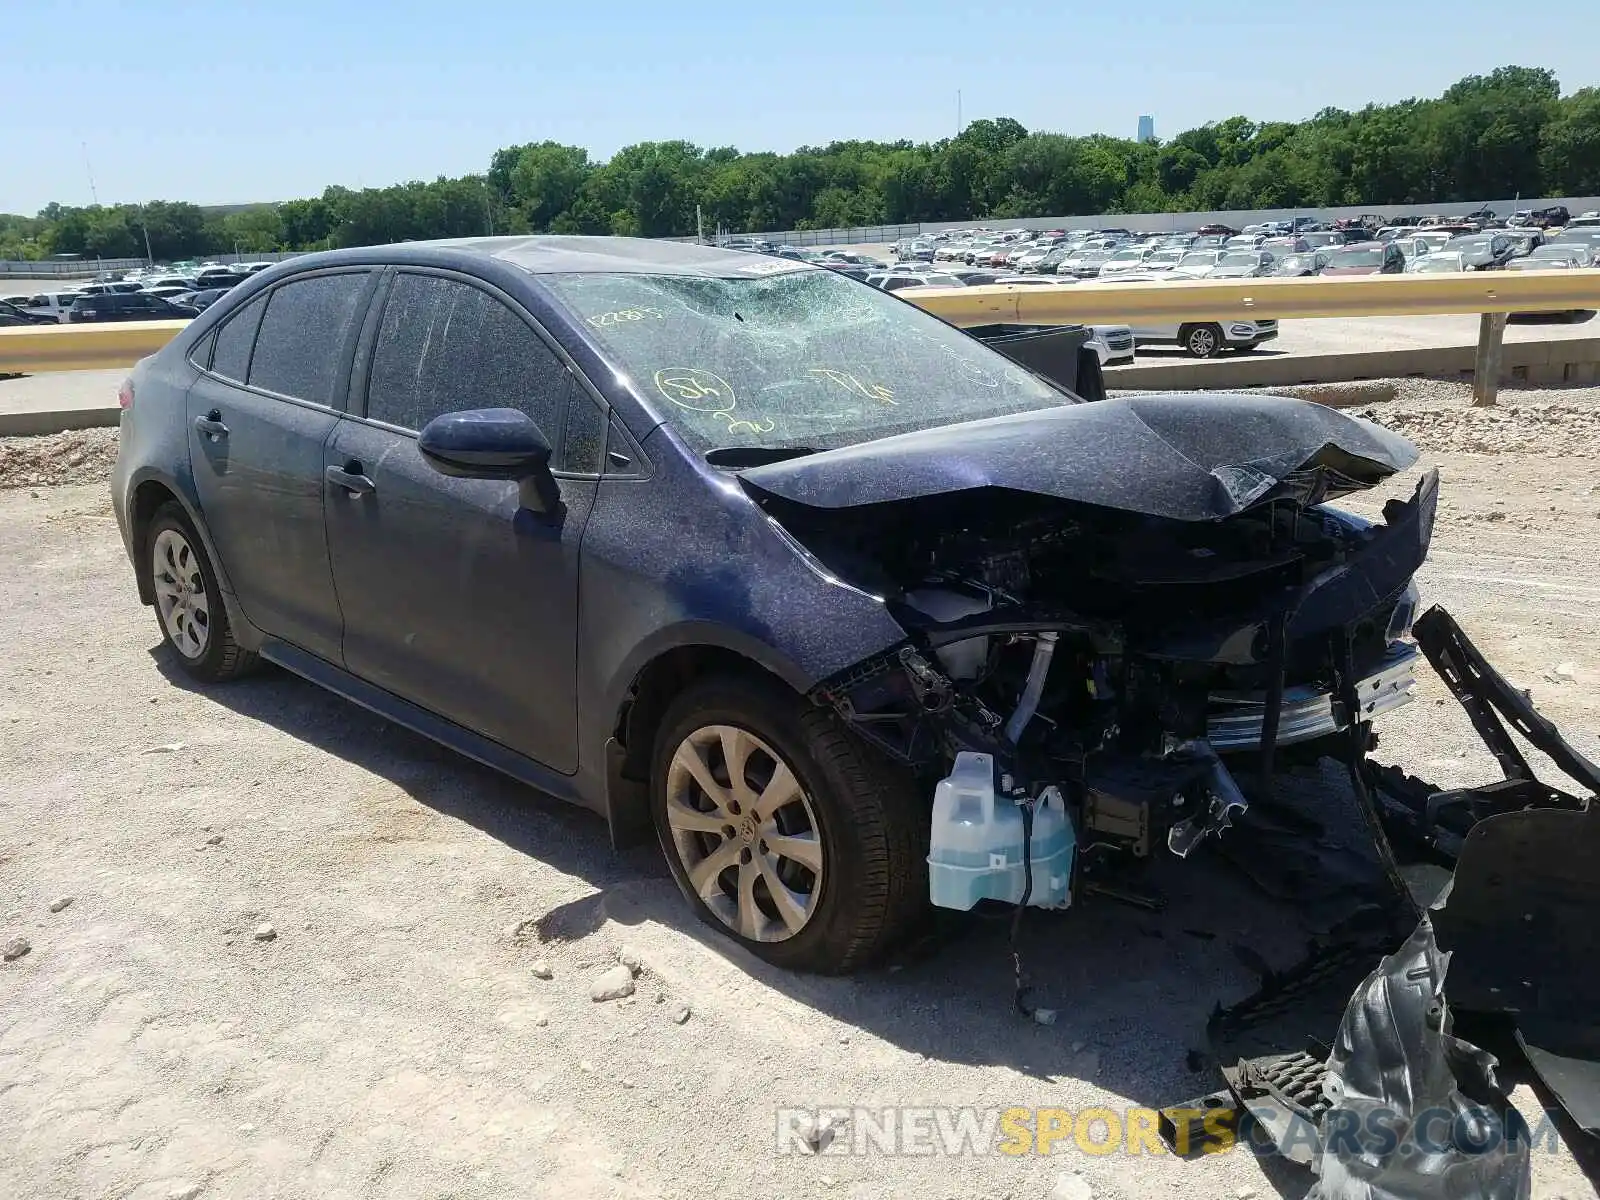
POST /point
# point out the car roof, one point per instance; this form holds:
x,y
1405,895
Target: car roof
x,y
551,254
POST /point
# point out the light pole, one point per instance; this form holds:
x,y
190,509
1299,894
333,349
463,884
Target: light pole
x,y
149,259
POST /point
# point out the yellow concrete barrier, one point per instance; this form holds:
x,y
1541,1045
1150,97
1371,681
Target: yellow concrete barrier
x,y
1264,299
35,349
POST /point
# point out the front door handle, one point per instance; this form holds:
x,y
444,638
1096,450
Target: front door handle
x,y
211,426
351,479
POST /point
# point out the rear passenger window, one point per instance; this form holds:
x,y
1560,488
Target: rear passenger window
x,y
445,346
231,359
200,355
299,349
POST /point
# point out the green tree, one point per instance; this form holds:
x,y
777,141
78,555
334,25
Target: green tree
x,y
1569,151
258,229
545,180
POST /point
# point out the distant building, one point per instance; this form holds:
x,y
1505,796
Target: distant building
x,y
1147,129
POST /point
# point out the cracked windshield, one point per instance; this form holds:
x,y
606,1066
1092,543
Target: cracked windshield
x,y
795,358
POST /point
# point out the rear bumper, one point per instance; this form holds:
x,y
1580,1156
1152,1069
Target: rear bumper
x,y
1236,718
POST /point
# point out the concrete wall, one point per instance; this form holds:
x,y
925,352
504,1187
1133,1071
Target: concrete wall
x,y
1558,361
84,267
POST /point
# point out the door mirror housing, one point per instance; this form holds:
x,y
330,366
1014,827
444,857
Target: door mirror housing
x,y
493,443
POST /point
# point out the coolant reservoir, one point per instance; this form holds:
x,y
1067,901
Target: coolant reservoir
x,y
963,660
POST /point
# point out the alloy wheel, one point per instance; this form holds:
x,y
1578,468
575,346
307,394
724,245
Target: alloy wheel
x,y
181,593
1202,342
745,833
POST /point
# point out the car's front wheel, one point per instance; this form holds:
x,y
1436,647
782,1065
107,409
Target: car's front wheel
x,y
1201,341
784,830
189,605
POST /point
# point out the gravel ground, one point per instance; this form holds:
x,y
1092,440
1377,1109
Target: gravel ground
x,y
77,456
1438,416
304,952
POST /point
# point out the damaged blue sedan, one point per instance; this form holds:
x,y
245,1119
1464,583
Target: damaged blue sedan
x,y
856,613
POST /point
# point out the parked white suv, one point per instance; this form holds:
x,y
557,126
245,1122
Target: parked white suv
x,y
1202,339
1206,338
54,304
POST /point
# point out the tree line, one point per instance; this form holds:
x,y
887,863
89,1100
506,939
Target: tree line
x,y
1507,133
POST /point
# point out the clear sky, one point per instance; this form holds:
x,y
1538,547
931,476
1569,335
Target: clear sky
x,y
226,101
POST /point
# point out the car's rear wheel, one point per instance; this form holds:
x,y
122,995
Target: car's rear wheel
x,y
1201,341
189,608
783,830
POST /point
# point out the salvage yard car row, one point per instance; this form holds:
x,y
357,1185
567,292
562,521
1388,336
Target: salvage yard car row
x,y
1256,252
178,292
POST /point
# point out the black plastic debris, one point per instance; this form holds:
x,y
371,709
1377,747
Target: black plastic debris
x,y
1415,1113
1520,927
1206,1124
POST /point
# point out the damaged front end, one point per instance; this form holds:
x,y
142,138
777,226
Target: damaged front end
x,y
1124,620
1145,604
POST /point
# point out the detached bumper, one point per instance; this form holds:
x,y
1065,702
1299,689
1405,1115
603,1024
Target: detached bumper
x,y
1236,718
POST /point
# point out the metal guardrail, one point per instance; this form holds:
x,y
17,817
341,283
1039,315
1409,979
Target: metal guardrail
x,y
35,349
1264,299
1492,294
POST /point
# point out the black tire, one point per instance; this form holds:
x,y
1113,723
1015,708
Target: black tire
x,y
873,823
1201,341
221,658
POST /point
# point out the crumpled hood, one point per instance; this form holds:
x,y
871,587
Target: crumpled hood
x,y
1187,456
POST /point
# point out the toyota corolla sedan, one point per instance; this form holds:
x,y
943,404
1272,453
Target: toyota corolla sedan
x,y
735,549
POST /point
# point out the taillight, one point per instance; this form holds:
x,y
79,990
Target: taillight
x,y
125,394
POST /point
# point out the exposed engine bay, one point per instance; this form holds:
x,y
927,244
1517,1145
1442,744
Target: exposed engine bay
x,y
1108,598
1119,656
1126,647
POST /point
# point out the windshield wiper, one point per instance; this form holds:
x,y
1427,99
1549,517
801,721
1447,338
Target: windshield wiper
x,y
738,457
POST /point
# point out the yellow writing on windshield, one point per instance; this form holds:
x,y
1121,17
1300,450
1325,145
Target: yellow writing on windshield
x,y
705,391
852,383
642,313
696,389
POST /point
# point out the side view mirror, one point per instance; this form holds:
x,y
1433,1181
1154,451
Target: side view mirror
x,y
493,443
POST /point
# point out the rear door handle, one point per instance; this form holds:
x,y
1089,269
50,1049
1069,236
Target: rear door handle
x,y
351,480
211,426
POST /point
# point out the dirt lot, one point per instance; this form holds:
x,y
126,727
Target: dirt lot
x,y
393,1039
